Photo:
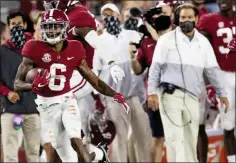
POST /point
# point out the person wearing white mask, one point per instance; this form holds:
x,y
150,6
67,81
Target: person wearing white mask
x,y
119,40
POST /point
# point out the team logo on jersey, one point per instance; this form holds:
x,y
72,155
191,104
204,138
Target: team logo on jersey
x,y
47,58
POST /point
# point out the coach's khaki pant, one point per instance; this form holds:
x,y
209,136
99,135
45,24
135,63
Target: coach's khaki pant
x,y
180,134
140,129
10,137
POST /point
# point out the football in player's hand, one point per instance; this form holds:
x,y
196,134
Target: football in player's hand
x,y
32,73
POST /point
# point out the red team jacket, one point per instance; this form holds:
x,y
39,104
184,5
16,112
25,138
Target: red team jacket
x,y
145,52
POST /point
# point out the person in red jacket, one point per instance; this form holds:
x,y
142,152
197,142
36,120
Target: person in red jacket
x,y
142,59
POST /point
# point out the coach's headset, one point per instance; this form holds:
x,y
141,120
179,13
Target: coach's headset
x,y
176,22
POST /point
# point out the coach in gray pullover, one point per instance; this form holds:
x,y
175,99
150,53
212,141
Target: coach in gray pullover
x,y
180,59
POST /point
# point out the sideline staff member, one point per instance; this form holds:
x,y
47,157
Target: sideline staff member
x,y
180,59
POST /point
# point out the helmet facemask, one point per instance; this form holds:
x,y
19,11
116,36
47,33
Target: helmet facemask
x,y
54,32
50,5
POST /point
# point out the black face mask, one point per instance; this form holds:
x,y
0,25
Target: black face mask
x,y
112,25
131,24
187,26
17,34
163,22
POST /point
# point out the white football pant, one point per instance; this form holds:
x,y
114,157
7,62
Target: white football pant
x,y
61,119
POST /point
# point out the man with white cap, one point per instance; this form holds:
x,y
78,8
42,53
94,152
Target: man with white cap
x,y
119,40
109,9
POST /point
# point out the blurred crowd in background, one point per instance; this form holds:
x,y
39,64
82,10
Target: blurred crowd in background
x,y
31,7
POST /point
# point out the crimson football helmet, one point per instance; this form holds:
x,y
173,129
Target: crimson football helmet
x,y
54,26
101,129
50,4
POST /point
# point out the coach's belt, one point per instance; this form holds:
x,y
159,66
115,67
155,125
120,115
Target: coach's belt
x,y
170,88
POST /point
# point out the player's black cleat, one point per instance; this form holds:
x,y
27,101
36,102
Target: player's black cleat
x,y
104,147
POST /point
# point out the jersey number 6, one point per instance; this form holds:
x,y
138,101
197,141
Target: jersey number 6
x,y
62,78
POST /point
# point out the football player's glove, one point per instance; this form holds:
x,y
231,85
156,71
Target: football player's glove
x,y
40,81
120,99
117,73
211,96
232,45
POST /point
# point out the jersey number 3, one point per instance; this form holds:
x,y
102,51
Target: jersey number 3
x,y
228,37
62,78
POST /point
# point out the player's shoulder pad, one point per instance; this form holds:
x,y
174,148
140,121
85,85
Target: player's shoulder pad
x,y
31,44
76,45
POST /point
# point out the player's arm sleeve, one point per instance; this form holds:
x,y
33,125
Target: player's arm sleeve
x,y
212,70
92,38
105,50
159,59
98,43
29,49
4,90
